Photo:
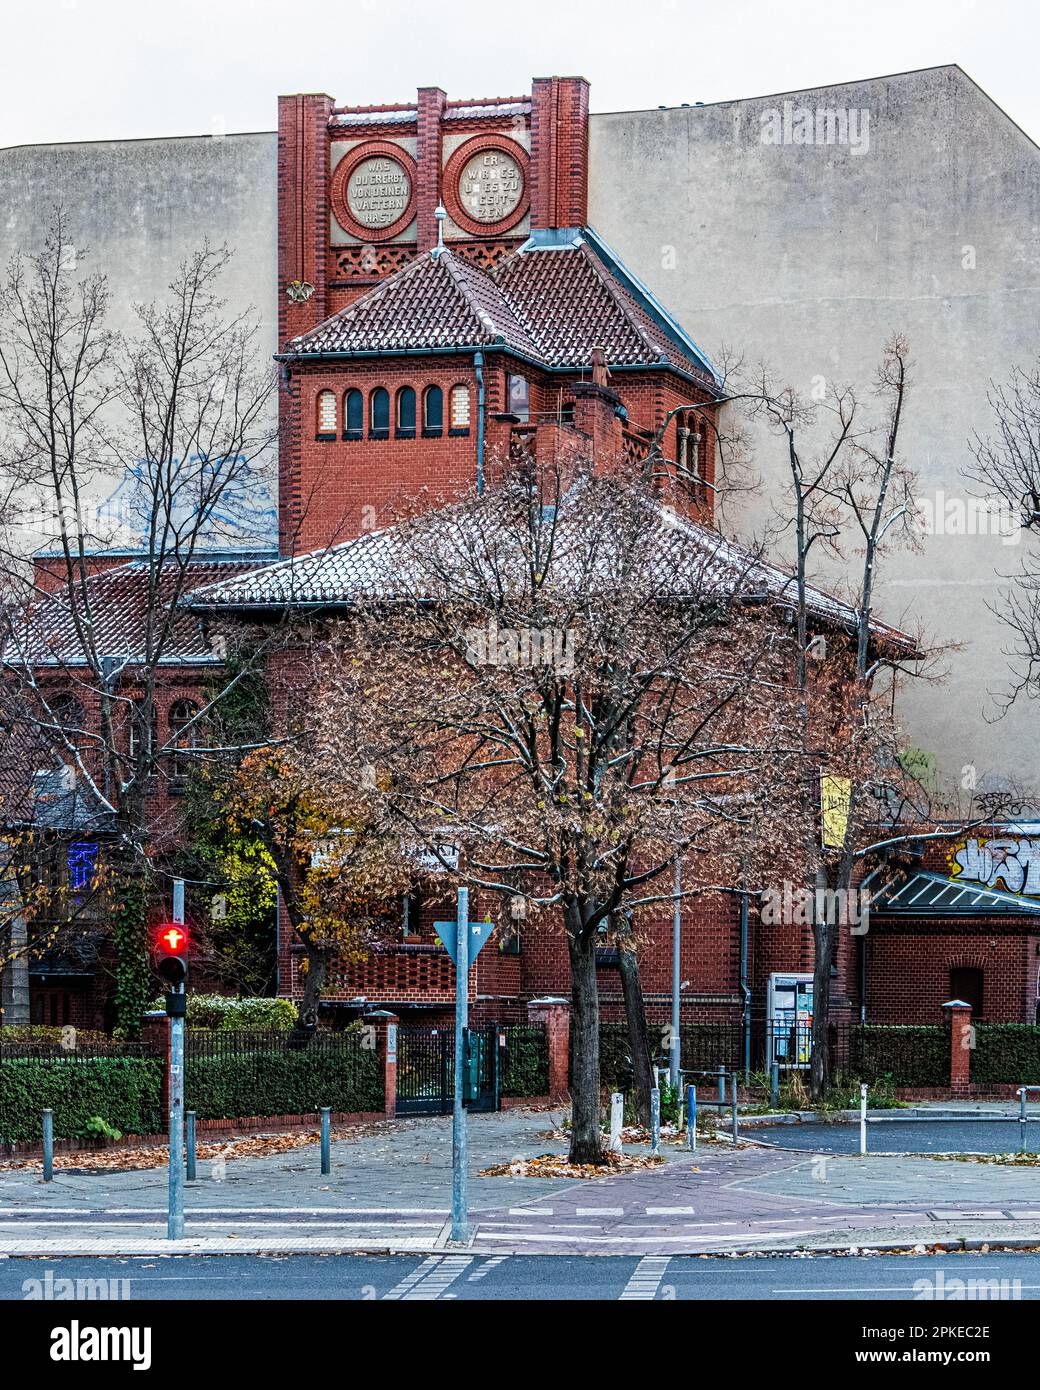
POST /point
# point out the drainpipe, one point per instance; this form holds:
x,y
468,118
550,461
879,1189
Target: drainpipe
x,y
478,364
744,988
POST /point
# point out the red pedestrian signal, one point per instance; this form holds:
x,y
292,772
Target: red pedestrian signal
x,y
171,948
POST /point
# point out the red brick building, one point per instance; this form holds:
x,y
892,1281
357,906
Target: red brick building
x,y
442,305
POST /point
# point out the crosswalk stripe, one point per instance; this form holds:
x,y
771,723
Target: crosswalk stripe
x,y
646,1278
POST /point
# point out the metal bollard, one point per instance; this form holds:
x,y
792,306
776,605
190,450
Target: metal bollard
x,y
1022,1119
48,1145
774,1085
189,1124
722,1084
326,1149
733,1104
863,1117
691,1118
655,1121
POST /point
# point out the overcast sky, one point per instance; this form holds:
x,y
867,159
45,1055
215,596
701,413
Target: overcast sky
x,y
117,69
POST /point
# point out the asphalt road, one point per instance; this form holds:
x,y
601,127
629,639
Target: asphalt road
x,y
548,1278
904,1136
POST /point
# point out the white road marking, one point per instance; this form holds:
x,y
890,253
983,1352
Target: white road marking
x,y
599,1211
530,1211
670,1211
432,1279
646,1278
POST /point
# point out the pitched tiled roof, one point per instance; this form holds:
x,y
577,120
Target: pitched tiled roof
x,y
553,301
570,303
116,601
433,302
376,565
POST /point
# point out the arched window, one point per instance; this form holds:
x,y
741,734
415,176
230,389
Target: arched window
x,y
182,737
520,398
460,410
406,413
689,452
433,411
67,716
379,414
353,415
327,414
143,739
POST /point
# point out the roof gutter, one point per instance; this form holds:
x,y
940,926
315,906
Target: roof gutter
x,y
462,349
478,365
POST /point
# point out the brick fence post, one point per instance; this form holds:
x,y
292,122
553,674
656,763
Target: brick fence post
x,y
554,1015
155,1031
385,1024
961,1038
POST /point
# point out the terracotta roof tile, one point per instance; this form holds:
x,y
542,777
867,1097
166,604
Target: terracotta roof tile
x,y
116,603
550,303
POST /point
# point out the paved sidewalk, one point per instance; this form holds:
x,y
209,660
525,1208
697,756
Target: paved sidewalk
x,y
390,1190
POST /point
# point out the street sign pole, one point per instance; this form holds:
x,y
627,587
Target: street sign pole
x,y
463,940
175,1195
459,1195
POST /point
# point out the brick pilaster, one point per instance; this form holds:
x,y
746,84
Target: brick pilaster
x,y
554,1015
960,1046
428,163
559,152
385,1024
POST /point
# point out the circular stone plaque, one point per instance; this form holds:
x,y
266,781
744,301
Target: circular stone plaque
x,y
490,187
379,191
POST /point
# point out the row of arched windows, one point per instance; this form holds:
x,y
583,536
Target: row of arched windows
x,y
375,414
68,721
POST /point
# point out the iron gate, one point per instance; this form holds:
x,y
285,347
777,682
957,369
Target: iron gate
x,y
426,1064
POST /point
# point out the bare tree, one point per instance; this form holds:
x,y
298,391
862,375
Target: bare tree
x,y
159,440
1006,465
571,685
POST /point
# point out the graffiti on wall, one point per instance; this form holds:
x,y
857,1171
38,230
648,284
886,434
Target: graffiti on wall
x,y
1011,864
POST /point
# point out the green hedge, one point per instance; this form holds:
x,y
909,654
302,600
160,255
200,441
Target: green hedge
x,y
284,1082
910,1055
1006,1052
226,1014
525,1066
123,1091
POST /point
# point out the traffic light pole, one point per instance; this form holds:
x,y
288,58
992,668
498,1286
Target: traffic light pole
x,y
459,1195
175,1199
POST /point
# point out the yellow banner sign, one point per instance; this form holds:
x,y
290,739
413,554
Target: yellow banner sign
x,y
835,802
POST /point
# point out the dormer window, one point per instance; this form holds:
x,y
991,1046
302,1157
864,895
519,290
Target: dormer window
x,y
405,413
433,412
379,417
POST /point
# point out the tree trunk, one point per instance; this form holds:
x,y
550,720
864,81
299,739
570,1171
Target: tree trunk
x,y
313,984
638,1036
824,941
586,1146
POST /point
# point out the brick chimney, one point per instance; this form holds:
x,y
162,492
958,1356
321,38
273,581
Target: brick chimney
x,y
596,412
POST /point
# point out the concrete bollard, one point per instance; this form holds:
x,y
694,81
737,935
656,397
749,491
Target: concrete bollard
x,y
863,1117
326,1148
655,1121
617,1119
